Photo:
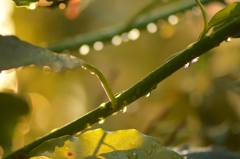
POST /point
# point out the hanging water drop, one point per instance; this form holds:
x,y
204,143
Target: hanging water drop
x,y
134,34
124,37
132,156
84,67
153,145
152,28
195,60
124,109
84,49
186,65
116,40
149,152
92,72
148,94
98,45
103,105
115,113
228,39
101,121
46,70
173,19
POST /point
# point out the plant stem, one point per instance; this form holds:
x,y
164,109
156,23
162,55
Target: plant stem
x,y
205,19
106,34
141,88
103,81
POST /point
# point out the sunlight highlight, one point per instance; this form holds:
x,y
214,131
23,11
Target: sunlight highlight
x,y
172,19
84,49
62,6
98,45
134,34
116,40
152,28
32,6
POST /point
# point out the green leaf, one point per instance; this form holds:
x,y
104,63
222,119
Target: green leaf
x,y
22,3
124,144
229,12
16,53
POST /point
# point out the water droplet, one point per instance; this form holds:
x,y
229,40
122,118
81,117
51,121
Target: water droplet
x,y
148,94
153,145
124,37
132,156
118,94
101,121
92,73
103,105
152,28
134,34
124,109
88,126
115,113
98,45
154,87
32,6
195,60
228,40
149,152
84,49
173,19
84,67
62,6
186,65
116,40
77,134
114,154
46,70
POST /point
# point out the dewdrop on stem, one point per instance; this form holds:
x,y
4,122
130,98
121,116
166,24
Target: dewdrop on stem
x,y
195,60
148,94
124,109
186,65
101,121
228,39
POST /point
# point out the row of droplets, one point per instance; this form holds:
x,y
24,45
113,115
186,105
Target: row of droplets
x,y
123,110
133,34
197,58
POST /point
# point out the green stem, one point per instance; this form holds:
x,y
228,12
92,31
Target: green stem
x,y
205,19
103,81
141,88
106,34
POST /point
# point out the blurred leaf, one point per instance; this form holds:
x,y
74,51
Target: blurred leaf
x,y
226,13
16,53
229,83
207,153
129,144
11,108
24,2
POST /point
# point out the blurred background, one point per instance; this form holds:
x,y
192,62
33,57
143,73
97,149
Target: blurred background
x,y
197,106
